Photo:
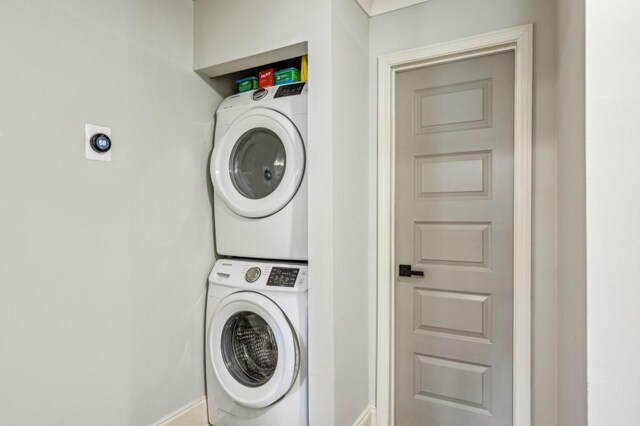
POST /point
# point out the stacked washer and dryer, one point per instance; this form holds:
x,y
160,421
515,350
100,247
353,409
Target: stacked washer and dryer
x,y
256,337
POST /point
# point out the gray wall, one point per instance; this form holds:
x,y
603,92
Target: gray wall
x,y
613,209
228,30
572,318
103,265
437,21
352,285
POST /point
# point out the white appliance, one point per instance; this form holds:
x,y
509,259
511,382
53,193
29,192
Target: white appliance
x,y
256,344
258,174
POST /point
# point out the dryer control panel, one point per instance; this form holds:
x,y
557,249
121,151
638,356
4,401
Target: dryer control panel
x,y
260,97
289,90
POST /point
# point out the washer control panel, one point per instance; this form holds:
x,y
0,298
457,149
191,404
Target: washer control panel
x,y
257,275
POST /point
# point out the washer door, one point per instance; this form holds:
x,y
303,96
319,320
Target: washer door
x,y
254,350
257,166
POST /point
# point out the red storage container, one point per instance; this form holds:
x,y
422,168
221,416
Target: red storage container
x,y
267,77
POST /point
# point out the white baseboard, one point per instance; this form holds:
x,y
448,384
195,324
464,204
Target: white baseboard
x,y
367,418
192,414
195,413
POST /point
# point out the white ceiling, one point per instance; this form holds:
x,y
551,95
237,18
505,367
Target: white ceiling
x,y
377,7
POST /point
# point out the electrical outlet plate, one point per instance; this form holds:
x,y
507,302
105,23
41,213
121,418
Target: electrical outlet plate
x,y
90,130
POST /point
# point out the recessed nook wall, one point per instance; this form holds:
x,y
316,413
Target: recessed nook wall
x,y
335,33
223,77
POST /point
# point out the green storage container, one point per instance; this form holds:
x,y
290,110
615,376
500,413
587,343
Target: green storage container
x,y
289,75
245,84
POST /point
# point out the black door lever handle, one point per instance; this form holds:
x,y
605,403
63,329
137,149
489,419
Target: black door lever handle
x,y
406,271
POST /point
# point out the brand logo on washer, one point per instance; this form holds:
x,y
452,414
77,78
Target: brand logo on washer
x,y
259,94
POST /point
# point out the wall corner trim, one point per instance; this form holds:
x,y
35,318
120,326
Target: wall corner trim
x,y
367,417
194,410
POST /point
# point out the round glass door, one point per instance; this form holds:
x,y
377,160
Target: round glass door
x,y
249,349
257,163
253,349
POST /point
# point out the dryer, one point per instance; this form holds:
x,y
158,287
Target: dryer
x,y
258,173
256,357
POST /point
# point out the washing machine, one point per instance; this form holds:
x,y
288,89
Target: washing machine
x,y
258,173
256,344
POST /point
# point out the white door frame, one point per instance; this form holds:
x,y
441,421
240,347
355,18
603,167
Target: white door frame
x,y
520,41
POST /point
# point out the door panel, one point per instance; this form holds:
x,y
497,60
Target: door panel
x,y
454,221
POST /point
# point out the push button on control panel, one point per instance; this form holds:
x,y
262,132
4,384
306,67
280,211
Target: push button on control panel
x,y
252,274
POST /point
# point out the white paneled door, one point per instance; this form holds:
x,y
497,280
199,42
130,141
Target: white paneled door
x,y
454,211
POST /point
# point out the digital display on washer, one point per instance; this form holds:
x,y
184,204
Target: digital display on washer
x,y
289,90
283,277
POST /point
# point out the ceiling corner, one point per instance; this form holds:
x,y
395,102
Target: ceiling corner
x,y
366,5
378,7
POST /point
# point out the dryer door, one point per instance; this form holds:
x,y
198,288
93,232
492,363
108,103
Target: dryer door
x,y
258,164
254,350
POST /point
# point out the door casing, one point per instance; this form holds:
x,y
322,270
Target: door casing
x,y
520,41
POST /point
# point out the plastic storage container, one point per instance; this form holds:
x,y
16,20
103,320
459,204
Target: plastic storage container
x,y
249,83
304,68
288,75
267,77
